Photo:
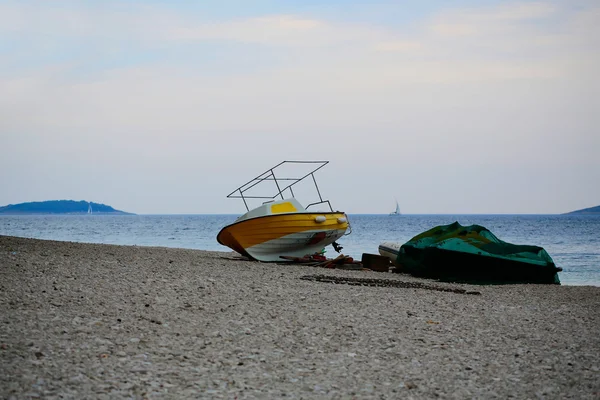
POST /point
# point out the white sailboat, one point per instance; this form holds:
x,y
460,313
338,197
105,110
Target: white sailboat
x,y
397,210
89,207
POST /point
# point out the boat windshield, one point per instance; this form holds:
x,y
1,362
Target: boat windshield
x,y
279,180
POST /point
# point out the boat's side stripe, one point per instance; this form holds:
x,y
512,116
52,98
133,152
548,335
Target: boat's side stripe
x,y
389,249
254,231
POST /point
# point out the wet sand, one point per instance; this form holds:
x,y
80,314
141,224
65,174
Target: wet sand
x,y
102,321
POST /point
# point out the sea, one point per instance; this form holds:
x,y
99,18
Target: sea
x,y
573,241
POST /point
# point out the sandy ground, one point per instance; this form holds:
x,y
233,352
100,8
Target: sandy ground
x,y
100,321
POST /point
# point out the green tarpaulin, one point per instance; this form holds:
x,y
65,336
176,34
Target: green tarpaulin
x,y
474,254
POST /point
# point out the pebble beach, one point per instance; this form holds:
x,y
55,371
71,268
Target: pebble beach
x,y
106,321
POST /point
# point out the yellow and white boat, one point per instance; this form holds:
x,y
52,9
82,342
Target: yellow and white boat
x,y
283,227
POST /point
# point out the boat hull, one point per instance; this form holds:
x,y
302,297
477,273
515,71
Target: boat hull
x,y
269,237
456,266
474,254
390,250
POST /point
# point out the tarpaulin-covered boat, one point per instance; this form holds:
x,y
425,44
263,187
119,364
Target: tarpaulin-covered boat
x,y
472,254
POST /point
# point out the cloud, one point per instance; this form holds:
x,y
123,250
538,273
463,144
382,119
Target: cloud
x,y
306,55
522,28
398,46
283,30
154,25
500,19
454,29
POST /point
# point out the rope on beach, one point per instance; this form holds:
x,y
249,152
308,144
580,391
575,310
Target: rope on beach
x,y
383,283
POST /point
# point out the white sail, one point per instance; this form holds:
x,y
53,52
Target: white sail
x,y
397,210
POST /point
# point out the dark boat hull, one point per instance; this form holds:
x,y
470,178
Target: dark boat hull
x,y
454,266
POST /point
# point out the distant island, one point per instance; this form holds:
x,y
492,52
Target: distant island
x,y
60,207
591,210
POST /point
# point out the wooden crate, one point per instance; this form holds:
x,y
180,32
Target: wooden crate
x,y
376,262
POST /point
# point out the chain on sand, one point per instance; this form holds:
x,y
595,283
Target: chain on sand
x,y
383,283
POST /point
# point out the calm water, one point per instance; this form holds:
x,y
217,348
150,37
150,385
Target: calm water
x,y
572,241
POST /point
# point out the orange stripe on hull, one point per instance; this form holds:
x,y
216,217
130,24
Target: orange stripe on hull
x,y
241,235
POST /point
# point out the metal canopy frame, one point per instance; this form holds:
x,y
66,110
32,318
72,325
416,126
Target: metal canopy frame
x,y
269,175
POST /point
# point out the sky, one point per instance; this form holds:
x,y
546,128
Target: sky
x,y
165,107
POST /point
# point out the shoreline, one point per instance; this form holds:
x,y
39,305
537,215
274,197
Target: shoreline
x,y
568,282
96,320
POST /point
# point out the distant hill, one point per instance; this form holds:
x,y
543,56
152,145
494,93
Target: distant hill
x,y
591,210
60,207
